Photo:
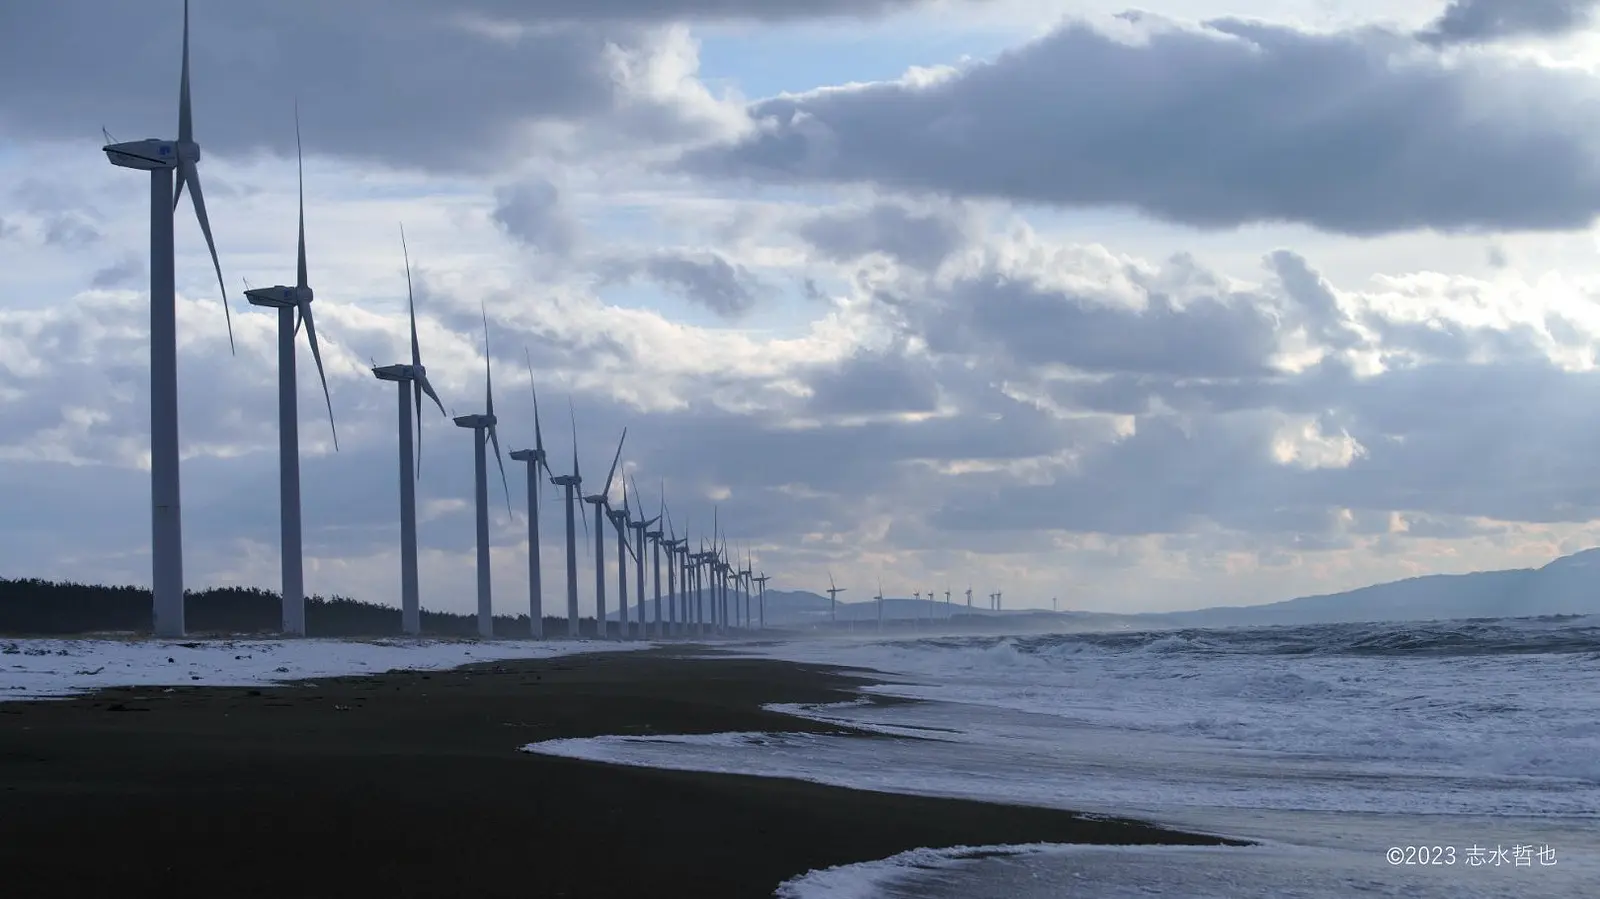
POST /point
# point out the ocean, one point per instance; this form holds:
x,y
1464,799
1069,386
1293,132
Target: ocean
x,y
1436,759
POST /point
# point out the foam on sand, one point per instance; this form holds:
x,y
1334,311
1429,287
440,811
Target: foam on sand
x,y
38,669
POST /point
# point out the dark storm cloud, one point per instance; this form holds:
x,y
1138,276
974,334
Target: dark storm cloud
x,y
406,82
921,238
869,382
1480,21
1360,132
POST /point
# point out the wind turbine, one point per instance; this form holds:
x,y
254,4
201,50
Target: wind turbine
x,y
833,599
535,459
601,503
483,432
619,520
642,533
655,540
969,597
677,551
879,598
289,301
916,610
761,583
744,577
948,612
161,158
571,483
417,377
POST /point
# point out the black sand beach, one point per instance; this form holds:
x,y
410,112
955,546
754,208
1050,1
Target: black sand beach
x,y
411,784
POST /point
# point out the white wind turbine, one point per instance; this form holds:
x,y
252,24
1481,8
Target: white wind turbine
x,y
294,309
161,158
641,531
619,520
483,433
535,458
571,484
417,377
833,599
602,502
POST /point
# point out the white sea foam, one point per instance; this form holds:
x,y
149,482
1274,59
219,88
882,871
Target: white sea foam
x,y
38,669
1331,744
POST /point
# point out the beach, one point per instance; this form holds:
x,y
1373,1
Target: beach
x,y
413,783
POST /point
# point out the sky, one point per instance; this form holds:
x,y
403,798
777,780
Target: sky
x,y
1203,303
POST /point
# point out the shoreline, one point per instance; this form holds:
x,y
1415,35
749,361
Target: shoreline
x,y
413,783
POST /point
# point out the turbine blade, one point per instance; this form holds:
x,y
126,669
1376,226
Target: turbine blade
x,y
494,438
299,163
192,175
185,121
427,387
316,353
488,374
416,394
614,460
538,433
584,517
574,416
411,302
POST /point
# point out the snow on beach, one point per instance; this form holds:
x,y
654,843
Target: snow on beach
x,y
43,668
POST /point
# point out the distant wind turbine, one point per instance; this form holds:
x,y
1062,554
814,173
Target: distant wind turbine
x,y
484,432
969,597
677,548
161,158
833,599
410,469
619,520
535,459
761,584
641,531
572,483
655,541
601,502
879,598
294,309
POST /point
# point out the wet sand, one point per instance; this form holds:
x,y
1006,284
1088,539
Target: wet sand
x,y
411,784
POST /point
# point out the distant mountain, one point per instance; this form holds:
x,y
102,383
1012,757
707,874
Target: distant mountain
x,y
1569,585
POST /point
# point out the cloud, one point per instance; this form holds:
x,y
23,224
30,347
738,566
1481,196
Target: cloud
x,y
472,87
1358,132
122,273
1481,21
706,278
921,238
531,212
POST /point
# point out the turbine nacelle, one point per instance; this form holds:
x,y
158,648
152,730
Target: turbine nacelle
x,y
535,456
279,297
397,372
567,480
149,154
475,421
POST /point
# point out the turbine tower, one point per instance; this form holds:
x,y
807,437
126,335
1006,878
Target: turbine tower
x,y
969,597
161,158
571,484
601,503
761,583
619,520
641,529
833,599
535,459
879,598
483,432
417,377
677,549
294,309
655,541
